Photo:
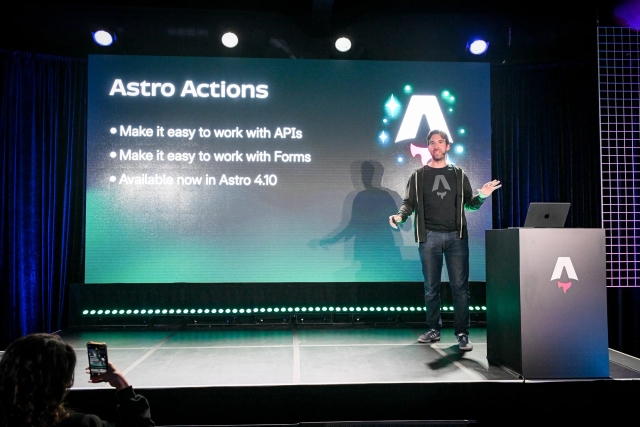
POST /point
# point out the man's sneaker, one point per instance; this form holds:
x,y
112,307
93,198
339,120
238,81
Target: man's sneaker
x,y
430,336
463,342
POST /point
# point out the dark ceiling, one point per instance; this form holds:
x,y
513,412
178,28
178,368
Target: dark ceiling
x,y
535,32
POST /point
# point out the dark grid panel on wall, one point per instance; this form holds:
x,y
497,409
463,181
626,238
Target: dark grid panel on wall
x,y
619,76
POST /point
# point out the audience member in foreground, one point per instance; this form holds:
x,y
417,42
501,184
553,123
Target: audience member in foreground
x,y
36,372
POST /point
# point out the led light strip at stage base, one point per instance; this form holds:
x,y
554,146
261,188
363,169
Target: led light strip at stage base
x,y
263,316
165,311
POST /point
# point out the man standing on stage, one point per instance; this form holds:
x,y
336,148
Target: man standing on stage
x,y
439,193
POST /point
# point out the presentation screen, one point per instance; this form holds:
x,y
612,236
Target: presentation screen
x,y
227,170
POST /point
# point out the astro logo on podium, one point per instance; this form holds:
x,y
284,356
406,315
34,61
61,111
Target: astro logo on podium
x,y
564,263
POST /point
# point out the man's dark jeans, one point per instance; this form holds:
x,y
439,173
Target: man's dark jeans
x,y
456,254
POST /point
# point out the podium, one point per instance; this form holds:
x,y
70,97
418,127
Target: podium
x,y
546,302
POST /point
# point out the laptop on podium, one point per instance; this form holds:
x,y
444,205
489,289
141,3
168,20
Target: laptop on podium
x,y
546,215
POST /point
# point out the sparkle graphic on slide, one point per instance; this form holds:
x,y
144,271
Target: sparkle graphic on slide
x,y
392,106
384,137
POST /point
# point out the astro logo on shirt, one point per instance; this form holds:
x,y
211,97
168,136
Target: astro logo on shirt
x,y
564,263
440,181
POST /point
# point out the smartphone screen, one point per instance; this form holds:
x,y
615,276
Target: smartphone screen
x,y
97,352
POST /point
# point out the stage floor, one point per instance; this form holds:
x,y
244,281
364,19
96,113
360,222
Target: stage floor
x,y
196,357
334,375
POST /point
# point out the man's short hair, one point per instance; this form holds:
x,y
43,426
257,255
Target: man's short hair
x,y
439,132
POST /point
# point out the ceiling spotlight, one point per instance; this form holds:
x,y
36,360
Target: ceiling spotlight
x,y
343,44
229,40
103,38
478,47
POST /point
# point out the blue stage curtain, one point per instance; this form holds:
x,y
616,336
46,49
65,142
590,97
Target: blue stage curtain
x,y
42,140
546,140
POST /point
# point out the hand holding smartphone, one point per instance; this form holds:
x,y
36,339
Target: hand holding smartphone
x,y
98,360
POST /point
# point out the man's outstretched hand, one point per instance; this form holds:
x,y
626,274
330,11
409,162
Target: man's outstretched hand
x,y
489,188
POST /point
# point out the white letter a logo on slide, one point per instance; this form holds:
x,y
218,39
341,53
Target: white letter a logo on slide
x,y
564,263
421,106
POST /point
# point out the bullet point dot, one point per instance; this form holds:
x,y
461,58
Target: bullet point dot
x,y
114,130
112,154
112,179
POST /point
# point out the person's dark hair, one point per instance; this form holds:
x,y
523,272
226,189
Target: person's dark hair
x,y
442,133
35,373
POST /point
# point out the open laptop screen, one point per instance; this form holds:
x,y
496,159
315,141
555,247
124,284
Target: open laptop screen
x,y
547,215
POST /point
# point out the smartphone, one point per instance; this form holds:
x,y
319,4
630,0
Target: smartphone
x,y
97,352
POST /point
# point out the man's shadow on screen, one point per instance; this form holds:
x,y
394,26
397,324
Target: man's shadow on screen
x,y
365,225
